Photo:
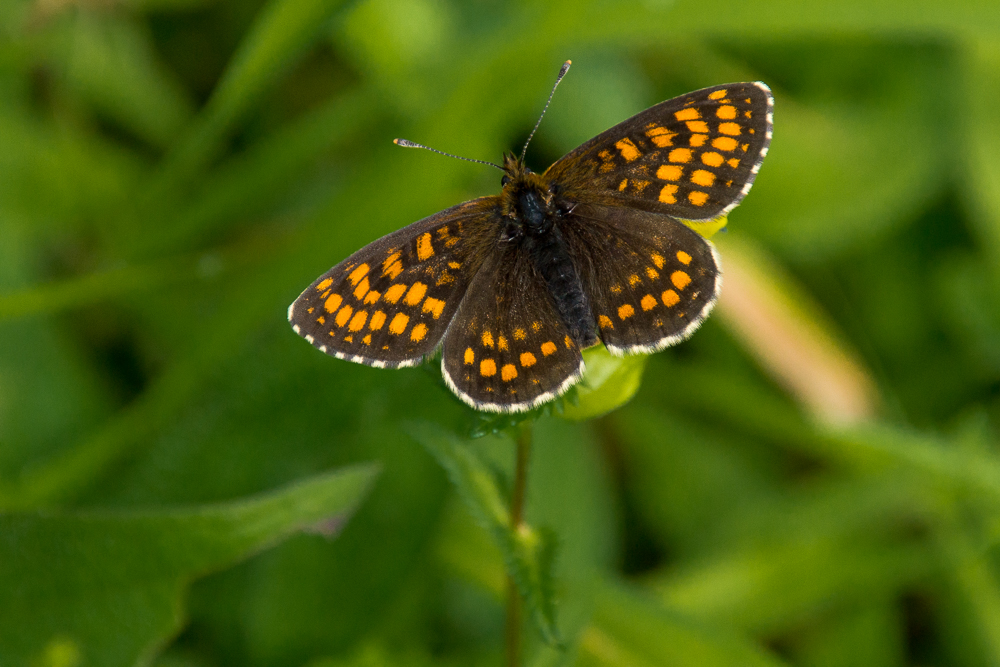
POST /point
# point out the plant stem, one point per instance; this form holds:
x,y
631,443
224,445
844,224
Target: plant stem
x,y
516,521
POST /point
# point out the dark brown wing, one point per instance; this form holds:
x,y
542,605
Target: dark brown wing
x,y
389,304
693,157
507,349
650,279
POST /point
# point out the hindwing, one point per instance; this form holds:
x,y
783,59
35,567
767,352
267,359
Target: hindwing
x,y
507,349
651,280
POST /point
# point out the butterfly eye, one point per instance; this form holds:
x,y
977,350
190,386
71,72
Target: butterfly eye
x,y
505,180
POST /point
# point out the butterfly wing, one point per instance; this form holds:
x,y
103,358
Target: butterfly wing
x,y
389,304
651,280
507,349
692,157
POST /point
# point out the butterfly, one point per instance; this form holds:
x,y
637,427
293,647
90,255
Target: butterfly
x,y
513,287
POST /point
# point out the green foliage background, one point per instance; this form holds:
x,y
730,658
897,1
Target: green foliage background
x,y
174,172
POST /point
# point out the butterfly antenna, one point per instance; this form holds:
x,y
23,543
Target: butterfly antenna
x,y
562,73
406,143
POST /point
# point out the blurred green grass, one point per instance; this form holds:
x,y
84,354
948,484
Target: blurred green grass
x,y
174,172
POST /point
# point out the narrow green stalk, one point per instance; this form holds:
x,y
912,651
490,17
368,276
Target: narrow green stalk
x,y
516,521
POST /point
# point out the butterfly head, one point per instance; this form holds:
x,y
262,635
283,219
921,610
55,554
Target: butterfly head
x,y
527,200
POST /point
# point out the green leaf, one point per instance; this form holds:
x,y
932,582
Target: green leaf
x,y
879,447
610,383
631,631
284,29
107,586
529,553
114,66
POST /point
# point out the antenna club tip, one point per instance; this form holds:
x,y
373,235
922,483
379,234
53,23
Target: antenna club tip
x,y
564,68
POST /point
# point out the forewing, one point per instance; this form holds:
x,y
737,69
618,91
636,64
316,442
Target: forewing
x,y
651,280
507,349
389,304
692,157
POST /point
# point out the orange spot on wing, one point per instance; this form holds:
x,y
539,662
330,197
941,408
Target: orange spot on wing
x,y
343,315
717,95
658,260
652,273
519,334
501,343
367,340
625,312
683,257
470,356
623,185
697,126
425,250
488,339
680,155
667,194
648,302
393,294
724,143
634,280
730,128
627,149
726,112
697,197
372,296
333,303
323,285
418,332
605,322
680,279
415,294
669,172
378,319
398,324
697,140
733,162
321,319
390,260
536,326
357,274
358,321
548,347
508,372
487,368
670,298
361,289
433,306
527,359
703,178
393,269
711,159
568,342
687,114
661,136
454,265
